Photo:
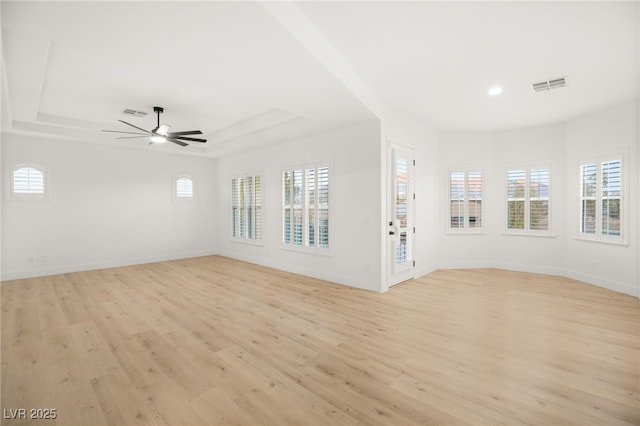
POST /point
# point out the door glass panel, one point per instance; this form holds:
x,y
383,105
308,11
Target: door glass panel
x,y
401,250
402,180
402,206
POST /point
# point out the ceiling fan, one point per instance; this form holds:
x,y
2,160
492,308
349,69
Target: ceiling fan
x,y
160,134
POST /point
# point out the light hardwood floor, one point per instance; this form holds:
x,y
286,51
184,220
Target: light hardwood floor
x,y
213,340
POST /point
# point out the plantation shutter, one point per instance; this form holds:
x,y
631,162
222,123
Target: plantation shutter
x,y
28,180
286,202
474,199
249,210
539,200
588,191
611,197
246,207
311,207
184,187
516,199
456,199
235,212
298,191
323,207
305,207
257,185
242,208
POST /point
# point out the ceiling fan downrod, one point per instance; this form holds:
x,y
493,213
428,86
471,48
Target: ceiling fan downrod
x,y
158,111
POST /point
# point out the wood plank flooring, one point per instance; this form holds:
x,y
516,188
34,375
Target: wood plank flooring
x,y
213,340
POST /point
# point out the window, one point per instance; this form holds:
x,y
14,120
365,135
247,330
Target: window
x,y
601,199
184,187
465,201
28,181
305,207
246,208
528,200
539,200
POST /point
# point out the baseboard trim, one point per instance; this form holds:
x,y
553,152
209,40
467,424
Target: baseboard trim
x,y
586,278
604,283
66,269
350,281
419,272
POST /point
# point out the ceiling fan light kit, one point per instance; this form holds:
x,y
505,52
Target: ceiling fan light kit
x,y
160,134
158,139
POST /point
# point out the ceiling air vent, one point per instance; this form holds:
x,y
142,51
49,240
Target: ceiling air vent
x,y
134,112
556,83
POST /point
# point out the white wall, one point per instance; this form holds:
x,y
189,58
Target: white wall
x,y
562,145
111,206
495,153
108,206
608,265
354,153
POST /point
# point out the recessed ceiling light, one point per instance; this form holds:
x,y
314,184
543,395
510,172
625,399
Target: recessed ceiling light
x,y
495,91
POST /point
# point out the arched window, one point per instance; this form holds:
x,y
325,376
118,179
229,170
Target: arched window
x,y
28,181
183,187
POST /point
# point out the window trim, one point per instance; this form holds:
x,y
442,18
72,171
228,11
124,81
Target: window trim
x,y
174,189
466,230
527,231
246,240
46,179
597,236
324,251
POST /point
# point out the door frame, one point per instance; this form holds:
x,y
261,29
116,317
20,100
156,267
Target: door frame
x,y
393,276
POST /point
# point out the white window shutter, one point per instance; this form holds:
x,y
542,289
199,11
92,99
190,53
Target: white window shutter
x,y
184,187
588,191
474,199
246,208
28,180
305,207
528,200
602,199
539,188
465,201
456,199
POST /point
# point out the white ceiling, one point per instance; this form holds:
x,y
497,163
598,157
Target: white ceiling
x,y
232,70
437,60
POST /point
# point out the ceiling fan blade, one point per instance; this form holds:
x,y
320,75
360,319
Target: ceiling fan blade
x,y
189,132
139,128
176,141
190,139
119,131
133,137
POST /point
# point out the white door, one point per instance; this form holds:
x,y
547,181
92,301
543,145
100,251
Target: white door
x,y
400,215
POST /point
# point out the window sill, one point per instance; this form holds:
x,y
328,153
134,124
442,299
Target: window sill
x,y
528,234
28,197
308,250
622,243
183,200
257,243
482,232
